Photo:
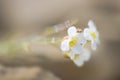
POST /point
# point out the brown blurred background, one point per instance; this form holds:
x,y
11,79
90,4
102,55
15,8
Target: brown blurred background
x,y
30,17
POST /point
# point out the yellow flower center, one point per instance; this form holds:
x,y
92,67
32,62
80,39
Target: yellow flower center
x,y
76,56
73,42
66,55
93,34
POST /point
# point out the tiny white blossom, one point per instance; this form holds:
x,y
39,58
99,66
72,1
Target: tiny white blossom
x,y
75,37
72,46
91,34
75,51
82,57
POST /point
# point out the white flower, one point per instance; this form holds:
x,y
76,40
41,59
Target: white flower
x,y
80,58
91,34
72,46
73,40
75,37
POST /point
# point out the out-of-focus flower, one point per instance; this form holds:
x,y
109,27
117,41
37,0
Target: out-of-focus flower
x,y
72,46
74,39
80,58
91,34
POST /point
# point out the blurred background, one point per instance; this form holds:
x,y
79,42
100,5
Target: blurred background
x,y
24,18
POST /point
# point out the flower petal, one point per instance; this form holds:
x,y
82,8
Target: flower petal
x,y
72,31
97,39
92,25
86,55
86,34
80,61
64,45
76,50
94,45
81,39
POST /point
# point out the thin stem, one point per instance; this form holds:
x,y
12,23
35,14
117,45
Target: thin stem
x,y
60,27
12,45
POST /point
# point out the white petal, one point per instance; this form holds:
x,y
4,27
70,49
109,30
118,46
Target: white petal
x,y
72,31
80,61
86,34
72,55
86,55
93,45
91,25
64,45
76,50
97,39
81,39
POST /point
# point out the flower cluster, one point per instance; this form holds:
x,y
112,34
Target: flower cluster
x,y
73,45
